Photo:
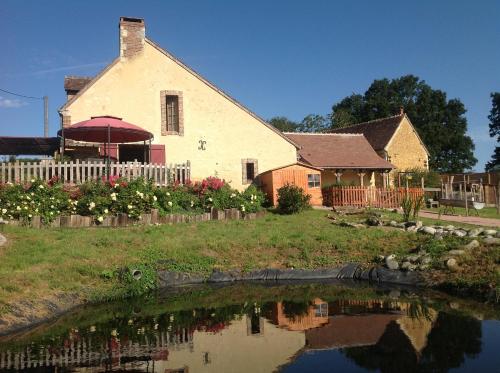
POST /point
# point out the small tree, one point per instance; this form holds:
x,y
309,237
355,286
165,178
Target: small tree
x,y
292,199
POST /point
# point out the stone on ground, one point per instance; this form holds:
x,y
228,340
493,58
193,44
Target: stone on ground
x,y
460,233
391,262
490,232
491,241
471,245
3,240
428,230
456,252
452,265
475,232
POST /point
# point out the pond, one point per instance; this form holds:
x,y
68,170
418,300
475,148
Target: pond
x,y
259,327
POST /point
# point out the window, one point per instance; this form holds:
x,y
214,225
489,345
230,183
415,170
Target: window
x,y
313,181
172,114
321,310
249,170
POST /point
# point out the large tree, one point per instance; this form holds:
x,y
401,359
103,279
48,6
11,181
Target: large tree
x,y
283,124
440,122
311,123
494,118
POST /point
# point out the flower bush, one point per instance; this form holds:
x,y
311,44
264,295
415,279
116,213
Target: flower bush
x,y
292,199
100,198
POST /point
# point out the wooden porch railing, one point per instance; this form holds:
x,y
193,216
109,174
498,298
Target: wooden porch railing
x,y
81,171
356,196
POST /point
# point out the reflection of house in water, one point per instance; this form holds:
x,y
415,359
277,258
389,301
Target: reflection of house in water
x,y
248,343
361,323
315,315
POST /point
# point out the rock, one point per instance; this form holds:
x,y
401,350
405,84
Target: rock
x,y
405,265
394,224
425,260
456,252
3,240
423,267
438,237
452,265
471,245
373,221
491,241
498,234
428,230
351,225
412,258
419,224
411,228
475,232
449,227
391,262
394,294
401,225
460,233
490,232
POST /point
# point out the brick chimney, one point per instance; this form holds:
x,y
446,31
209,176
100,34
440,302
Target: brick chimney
x,y
132,35
401,110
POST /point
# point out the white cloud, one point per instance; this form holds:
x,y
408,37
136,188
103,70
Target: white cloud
x,y
11,103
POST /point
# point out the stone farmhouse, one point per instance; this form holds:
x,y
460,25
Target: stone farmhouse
x,y
395,140
190,118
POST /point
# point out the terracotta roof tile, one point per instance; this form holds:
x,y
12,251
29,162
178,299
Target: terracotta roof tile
x,y
76,83
378,132
338,151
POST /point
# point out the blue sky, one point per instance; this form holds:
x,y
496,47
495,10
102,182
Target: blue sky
x,y
287,58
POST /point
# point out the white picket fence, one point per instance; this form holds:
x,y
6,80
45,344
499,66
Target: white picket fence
x,y
81,171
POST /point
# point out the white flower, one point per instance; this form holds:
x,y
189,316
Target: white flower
x,y
76,203
51,213
91,205
30,216
116,186
210,199
130,207
36,210
4,211
28,198
154,198
233,195
18,208
243,208
100,219
168,194
52,206
105,211
40,186
32,180
113,196
192,203
25,207
169,203
32,193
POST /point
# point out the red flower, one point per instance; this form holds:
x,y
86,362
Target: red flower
x,y
53,180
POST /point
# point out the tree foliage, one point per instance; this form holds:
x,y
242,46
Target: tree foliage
x,y
440,122
494,125
283,124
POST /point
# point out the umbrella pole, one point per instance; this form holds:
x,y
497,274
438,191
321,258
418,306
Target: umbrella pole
x,y
108,160
150,151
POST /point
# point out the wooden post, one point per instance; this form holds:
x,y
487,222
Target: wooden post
x,y
497,195
465,194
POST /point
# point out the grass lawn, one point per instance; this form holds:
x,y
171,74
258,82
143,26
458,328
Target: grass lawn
x,y
40,264
487,212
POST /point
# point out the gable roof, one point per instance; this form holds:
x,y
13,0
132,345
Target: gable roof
x,y
378,132
189,70
327,150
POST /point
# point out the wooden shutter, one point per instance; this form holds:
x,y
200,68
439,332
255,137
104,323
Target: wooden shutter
x,y
158,153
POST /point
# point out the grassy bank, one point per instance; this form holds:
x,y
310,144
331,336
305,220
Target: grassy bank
x,y
43,264
487,212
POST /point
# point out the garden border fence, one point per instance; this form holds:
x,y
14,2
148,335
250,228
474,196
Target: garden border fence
x,y
80,171
357,196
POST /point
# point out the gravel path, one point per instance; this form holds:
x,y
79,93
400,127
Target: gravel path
x,y
476,220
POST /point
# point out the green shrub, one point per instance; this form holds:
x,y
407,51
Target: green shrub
x,y
292,199
407,206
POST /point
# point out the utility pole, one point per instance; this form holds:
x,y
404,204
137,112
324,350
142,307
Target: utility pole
x,y
46,116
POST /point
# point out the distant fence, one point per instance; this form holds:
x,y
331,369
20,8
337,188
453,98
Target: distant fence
x,y
356,196
81,171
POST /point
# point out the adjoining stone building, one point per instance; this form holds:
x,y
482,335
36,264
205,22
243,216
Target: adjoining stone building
x,y
190,118
394,139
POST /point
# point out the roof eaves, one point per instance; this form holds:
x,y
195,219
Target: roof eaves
x,y
220,91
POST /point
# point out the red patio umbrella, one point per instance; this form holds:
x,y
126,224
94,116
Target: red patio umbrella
x,y
105,129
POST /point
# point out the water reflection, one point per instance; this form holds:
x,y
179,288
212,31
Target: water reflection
x,y
249,328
